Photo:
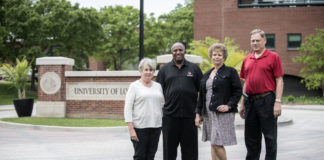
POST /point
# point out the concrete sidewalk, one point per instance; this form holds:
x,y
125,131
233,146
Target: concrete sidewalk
x,y
284,106
6,108
113,143
8,111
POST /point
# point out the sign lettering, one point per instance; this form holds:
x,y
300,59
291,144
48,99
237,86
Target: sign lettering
x,y
96,90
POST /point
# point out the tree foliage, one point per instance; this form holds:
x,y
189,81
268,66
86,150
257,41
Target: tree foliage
x,y
179,23
120,35
32,28
28,28
2,28
75,32
156,40
312,57
235,55
20,28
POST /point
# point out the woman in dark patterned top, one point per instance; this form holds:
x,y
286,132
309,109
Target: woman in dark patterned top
x,y
220,91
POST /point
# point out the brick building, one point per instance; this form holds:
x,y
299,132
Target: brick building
x,y
286,22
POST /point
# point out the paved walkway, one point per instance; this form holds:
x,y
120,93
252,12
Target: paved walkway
x,y
8,111
301,139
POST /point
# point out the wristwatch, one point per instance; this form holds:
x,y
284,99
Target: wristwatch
x,y
278,100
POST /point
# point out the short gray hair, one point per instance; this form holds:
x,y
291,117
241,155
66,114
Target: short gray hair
x,y
150,62
261,32
178,43
218,46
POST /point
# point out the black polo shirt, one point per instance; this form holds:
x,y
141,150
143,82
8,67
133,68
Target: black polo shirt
x,y
180,88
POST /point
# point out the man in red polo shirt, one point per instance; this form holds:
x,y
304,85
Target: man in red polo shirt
x,y
261,105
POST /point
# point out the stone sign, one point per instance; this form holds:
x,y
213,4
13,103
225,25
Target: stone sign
x,y
85,94
96,90
50,83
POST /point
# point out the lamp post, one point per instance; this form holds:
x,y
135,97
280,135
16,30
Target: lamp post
x,y
51,48
141,37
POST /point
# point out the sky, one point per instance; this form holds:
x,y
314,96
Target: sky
x,y
157,7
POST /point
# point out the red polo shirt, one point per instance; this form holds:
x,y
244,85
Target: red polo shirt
x,y
260,74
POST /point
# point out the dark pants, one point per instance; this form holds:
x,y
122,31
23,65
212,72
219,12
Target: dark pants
x,y
259,119
148,143
183,131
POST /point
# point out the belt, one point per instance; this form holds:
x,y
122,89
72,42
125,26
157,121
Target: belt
x,y
259,96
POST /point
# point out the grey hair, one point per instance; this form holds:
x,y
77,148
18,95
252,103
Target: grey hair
x,y
150,62
261,32
218,46
178,43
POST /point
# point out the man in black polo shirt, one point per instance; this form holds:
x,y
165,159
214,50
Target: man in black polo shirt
x,y
180,83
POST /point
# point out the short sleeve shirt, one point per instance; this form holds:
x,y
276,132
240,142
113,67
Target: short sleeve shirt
x,y
260,73
180,88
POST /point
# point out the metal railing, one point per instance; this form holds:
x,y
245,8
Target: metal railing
x,y
275,3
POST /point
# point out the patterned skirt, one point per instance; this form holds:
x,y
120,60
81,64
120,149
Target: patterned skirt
x,y
218,128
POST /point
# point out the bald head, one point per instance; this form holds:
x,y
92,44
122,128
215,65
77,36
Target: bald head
x,y
178,44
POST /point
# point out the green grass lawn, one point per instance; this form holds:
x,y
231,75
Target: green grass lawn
x,y
8,93
303,100
68,122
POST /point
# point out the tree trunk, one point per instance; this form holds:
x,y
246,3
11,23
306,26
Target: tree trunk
x,y
116,67
32,85
19,94
24,93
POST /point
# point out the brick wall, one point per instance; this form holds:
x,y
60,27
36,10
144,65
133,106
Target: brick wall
x,y
96,65
96,108
222,18
59,70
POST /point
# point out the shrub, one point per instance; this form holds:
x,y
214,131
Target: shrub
x,y
291,98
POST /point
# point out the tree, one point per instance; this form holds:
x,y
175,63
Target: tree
x,y
81,35
120,35
29,28
179,23
312,57
156,40
20,29
20,32
160,33
2,28
2,37
75,32
235,55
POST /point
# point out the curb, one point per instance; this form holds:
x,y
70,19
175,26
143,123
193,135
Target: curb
x,y
282,121
304,107
7,109
239,124
58,128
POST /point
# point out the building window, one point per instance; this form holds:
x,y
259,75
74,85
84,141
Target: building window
x,y
271,41
294,41
279,3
